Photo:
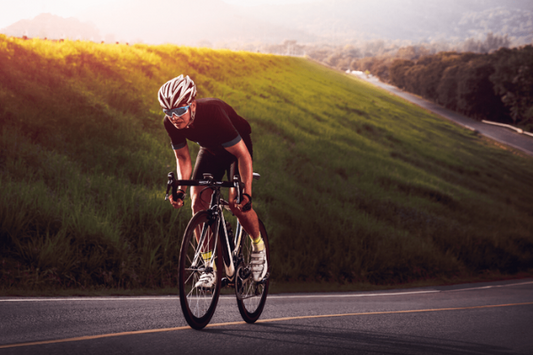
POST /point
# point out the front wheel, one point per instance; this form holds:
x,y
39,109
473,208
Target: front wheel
x,y
198,303
251,295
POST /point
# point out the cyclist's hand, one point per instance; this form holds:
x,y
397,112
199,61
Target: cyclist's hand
x,y
245,205
178,203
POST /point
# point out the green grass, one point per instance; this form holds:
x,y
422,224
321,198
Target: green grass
x,y
358,189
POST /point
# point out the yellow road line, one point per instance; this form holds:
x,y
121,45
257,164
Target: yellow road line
x,y
93,337
391,312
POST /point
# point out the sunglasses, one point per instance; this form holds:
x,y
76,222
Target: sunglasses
x,y
180,111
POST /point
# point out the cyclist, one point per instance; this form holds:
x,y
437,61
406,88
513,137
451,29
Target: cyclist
x,y
224,138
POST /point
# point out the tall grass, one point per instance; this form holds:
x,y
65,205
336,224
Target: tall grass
x,y
357,186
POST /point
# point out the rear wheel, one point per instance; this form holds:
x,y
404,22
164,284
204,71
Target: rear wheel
x,y
198,303
251,295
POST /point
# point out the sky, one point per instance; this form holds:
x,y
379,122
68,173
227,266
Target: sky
x,y
13,11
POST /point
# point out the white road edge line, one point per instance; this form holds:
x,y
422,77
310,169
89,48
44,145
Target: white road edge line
x,y
355,295
172,298
492,286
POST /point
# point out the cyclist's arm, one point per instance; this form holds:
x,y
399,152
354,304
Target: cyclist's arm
x,y
184,165
240,151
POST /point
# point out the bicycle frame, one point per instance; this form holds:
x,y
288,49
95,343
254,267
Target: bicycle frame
x,y
229,252
230,248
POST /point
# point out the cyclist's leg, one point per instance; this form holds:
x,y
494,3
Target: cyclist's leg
x,y
248,219
250,223
200,197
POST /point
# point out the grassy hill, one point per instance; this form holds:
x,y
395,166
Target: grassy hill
x,y
358,187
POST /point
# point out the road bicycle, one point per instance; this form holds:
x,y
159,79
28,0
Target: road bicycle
x,y
209,243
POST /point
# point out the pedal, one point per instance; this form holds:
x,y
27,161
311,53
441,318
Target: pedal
x,y
265,279
207,290
225,282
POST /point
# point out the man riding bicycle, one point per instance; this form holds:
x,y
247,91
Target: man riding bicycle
x,y
224,138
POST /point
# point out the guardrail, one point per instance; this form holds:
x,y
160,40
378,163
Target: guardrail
x,y
519,130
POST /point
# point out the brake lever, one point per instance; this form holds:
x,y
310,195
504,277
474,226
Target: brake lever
x,y
237,183
170,185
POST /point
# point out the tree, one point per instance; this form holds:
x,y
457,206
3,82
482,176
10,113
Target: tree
x,y
351,51
398,72
513,81
447,88
491,43
433,67
475,93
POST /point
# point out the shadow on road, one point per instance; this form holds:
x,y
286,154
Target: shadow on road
x,y
311,339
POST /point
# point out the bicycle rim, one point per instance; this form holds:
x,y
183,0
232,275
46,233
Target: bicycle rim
x,y
198,304
251,296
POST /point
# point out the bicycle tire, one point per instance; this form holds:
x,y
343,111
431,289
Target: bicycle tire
x,y
251,296
198,304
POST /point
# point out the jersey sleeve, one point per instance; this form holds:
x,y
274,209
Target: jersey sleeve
x,y
232,142
227,134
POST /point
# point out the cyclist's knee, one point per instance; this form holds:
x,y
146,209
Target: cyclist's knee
x,y
240,213
235,210
198,204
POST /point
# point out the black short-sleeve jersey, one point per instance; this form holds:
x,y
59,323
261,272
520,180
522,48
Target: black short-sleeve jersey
x,y
216,126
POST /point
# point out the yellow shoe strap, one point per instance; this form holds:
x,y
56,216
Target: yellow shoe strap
x,y
207,256
258,243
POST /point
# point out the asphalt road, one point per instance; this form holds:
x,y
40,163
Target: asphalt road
x,y
488,318
500,134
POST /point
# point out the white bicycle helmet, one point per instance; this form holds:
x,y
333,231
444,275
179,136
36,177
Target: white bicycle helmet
x,y
180,90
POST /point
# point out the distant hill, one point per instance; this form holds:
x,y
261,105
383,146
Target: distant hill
x,y
344,21
516,23
214,23
53,27
211,22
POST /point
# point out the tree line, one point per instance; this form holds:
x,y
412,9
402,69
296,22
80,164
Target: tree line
x,y
496,86
483,79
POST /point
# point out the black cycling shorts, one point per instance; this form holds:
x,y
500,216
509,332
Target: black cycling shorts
x,y
218,164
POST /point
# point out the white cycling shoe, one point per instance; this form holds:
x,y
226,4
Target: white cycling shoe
x,y
259,265
207,280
